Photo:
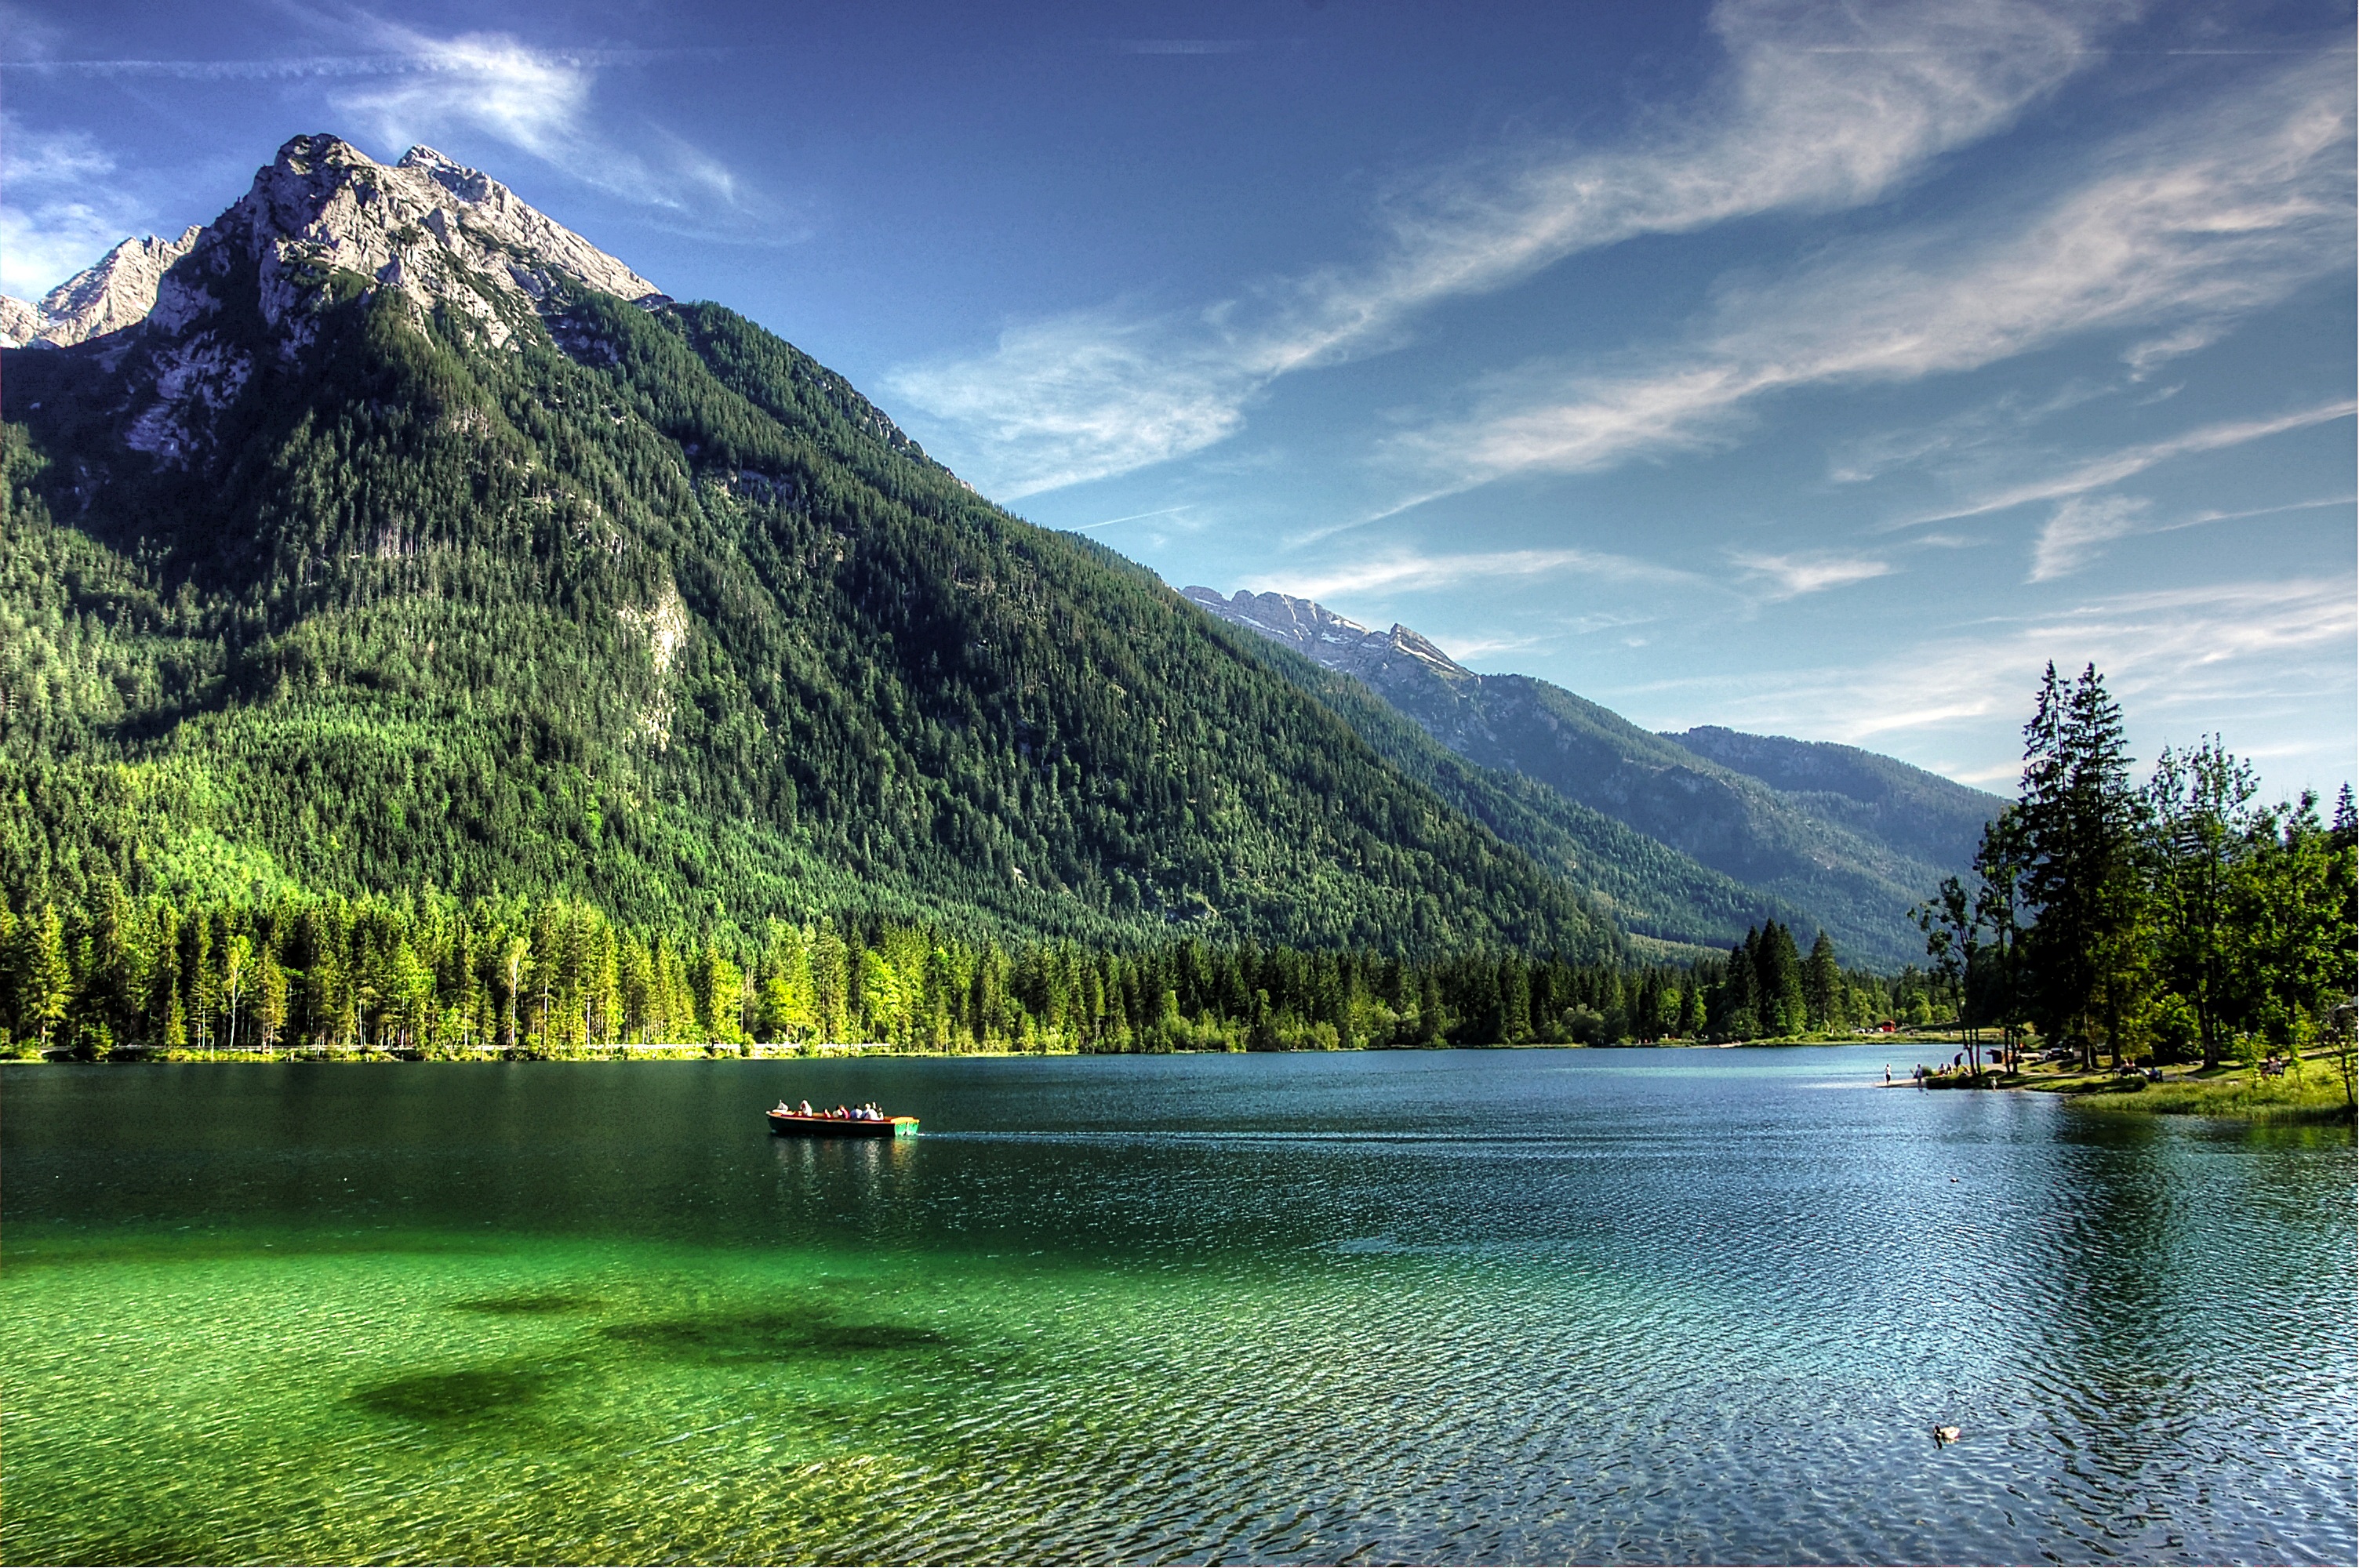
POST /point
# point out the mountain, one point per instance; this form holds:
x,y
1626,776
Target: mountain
x,y
1829,834
1881,798
119,292
408,540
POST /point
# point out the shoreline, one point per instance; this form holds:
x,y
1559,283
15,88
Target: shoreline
x,y
2227,1092
828,1050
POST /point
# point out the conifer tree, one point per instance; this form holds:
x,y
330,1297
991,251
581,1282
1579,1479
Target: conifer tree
x,y
1822,984
2080,821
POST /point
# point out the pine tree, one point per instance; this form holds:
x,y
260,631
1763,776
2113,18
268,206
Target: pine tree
x,y
1822,984
2080,822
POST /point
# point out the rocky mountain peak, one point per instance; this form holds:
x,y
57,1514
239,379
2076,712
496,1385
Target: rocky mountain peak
x,y
116,293
1320,634
432,230
321,217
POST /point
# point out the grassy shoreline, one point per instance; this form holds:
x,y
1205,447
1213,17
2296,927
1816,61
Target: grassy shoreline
x,y
2311,1091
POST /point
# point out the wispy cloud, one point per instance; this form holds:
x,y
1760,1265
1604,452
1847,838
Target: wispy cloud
x,y
1185,46
538,101
2081,527
1133,517
1816,108
2216,216
2173,655
294,67
1790,576
2112,468
1412,572
405,85
63,207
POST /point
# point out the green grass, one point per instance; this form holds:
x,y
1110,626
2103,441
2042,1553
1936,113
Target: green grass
x,y
2317,1096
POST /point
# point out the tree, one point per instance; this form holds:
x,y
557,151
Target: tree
x,y
1740,1017
2198,805
44,983
2295,920
1948,921
236,954
2080,821
511,962
270,988
1999,862
1823,983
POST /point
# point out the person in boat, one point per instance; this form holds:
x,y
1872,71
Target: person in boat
x,y
806,1109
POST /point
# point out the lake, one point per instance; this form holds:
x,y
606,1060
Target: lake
x,y
1451,1306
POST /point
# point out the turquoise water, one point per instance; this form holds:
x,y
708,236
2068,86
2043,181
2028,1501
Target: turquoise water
x,y
1460,1306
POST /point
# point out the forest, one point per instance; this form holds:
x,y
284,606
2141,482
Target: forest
x,y
425,975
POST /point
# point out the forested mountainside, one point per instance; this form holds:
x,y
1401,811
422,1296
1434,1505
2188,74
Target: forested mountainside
x,y
1849,843
1647,887
410,542
1881,798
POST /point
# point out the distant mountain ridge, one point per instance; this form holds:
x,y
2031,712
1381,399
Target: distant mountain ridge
x,y
1843,838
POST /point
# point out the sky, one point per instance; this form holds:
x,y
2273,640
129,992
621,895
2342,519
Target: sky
x,y
1811,368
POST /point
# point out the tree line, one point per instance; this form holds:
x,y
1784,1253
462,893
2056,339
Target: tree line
x,y
427,974
2180,920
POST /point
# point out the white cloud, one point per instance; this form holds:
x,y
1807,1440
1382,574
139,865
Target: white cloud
x,y
2080,528
2096,473
2175,657
62,210
1791,576
487,80
1410,572
2216,217
1079,397
2083,525
537,101
1818,107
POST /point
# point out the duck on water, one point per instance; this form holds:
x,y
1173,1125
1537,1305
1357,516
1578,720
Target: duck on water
x,y
855,1122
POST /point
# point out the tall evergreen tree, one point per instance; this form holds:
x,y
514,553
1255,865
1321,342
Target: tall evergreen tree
x,y
1823,983
2080,822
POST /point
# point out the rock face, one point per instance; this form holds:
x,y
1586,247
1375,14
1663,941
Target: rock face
x,y
1853,838
321,217
116,293
1406,669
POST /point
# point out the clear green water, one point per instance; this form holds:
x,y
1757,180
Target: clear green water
x,y
1456,1307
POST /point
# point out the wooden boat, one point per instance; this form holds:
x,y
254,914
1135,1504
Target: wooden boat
x,y
794,1124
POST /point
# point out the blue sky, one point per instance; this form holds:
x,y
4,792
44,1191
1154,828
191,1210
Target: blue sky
x,y
1814,369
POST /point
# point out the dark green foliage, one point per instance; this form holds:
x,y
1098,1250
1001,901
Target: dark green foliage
x,y
2172,921
652,611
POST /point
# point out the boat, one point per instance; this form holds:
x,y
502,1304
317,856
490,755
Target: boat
x,y
794,1124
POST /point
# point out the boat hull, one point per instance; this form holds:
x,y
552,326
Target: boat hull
x,y
787,1124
